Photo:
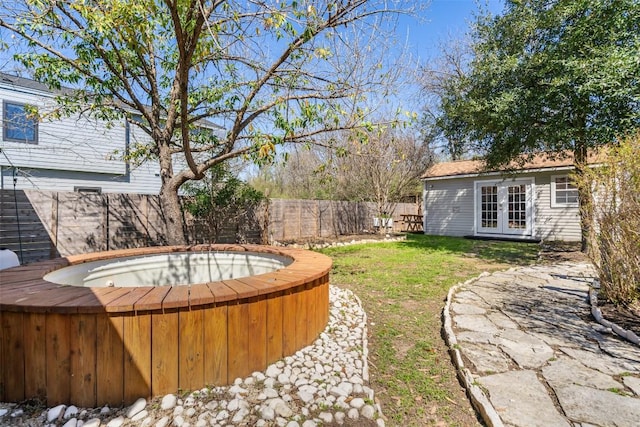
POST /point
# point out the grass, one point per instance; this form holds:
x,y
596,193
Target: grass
x,y
403,286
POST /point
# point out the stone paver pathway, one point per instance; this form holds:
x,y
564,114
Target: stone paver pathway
x,y
526,338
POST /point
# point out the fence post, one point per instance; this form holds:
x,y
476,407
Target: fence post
x,y
319,221
145,212
105,220
299,220
53,253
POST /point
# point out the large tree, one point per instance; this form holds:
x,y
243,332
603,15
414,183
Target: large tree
x,y
383,170
550,75
379,165
268,73
439,80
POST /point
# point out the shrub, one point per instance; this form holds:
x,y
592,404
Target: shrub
x,y
615,244
221,200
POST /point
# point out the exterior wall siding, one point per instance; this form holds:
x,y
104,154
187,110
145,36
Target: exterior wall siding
x,y
554,223
141,180
449,208
71,152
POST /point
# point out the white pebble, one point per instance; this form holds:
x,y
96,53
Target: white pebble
x,y
239,416
282,409
137,406
233,405
140,415
271,393
283,378
273,371
162,422
326,417
267,413
353,414
168,402
116,422
368,412
55,413
73,422
357,403
236,389
305,396
71,411
337,392
93,422
346,387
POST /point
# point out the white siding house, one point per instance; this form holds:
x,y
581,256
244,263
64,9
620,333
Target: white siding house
x,y
537,202
68,154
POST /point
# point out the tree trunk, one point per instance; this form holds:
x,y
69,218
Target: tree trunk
x,y
585,195
172,215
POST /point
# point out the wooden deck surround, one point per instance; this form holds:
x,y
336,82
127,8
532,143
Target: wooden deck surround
x,y
95,346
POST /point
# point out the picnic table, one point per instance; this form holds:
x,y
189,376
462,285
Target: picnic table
x,y
411,222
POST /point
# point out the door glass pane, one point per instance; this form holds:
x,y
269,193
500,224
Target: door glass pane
x,y
489,203
517,210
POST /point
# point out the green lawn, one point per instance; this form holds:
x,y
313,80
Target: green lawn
x,y
403,286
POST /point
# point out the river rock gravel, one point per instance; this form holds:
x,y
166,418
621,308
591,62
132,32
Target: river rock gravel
x,y
325,383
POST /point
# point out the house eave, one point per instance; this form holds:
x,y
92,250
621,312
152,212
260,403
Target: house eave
x,y
498,173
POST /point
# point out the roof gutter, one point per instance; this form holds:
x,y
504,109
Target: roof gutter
x,y
498,173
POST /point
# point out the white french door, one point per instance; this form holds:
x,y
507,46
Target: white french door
x,y
504,207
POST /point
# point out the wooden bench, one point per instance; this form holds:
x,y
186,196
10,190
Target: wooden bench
x,y
96,346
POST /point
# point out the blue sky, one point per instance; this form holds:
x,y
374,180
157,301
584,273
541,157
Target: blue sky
x,y
439,20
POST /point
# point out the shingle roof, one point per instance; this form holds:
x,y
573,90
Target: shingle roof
x,y
28,83
32,84
476,167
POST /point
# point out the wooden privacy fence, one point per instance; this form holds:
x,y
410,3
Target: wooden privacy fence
x,y
309,219
41,225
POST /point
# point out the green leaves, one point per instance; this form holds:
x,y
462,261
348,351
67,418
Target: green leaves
x,y
263,74
221,198
550,75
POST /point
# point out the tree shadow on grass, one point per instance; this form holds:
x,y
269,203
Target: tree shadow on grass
x,y
513,253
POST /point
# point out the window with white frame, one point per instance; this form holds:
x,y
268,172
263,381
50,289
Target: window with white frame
x,y
18,124
564,192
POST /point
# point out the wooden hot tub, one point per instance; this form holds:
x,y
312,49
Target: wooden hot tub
x,y
91,346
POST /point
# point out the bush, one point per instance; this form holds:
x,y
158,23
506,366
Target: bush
x,y
615,244
221,201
